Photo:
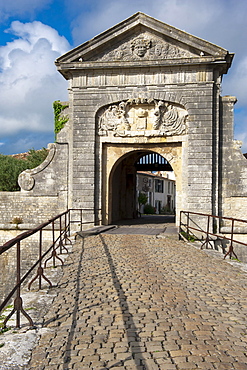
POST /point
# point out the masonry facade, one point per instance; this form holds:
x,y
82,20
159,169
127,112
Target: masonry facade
x,y
141,87
160,192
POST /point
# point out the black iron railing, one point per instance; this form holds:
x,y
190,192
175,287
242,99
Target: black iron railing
x,y
59,231
211,228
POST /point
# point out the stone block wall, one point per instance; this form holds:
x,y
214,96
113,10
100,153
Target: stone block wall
x,y
44,191
233,166
89,93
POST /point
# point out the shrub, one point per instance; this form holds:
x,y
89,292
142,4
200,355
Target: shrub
x,y
148,209
59,118
11,167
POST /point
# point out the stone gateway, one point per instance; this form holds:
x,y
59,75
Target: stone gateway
x,y
140,87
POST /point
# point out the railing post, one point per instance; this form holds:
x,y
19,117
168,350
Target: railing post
x,y
40,272
40,256
230,252
18,300
81,219
60,236
53,244
180,224
231,245
208,225
18,308
207,233
65,225
69,220
187,225
54,252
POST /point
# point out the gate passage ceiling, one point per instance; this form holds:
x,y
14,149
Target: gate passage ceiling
x,y
152,162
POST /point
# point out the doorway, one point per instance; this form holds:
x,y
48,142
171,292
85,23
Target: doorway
x,y
126,184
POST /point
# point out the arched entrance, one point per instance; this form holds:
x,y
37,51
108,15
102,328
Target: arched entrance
x,y
122,188
126,130
135,166
119,177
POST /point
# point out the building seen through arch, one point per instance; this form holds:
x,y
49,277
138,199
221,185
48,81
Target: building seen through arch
x,y
156,181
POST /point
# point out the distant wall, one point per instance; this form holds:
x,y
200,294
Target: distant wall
x,y
44,192
233,168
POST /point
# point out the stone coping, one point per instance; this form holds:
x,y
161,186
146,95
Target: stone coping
x,y
10,226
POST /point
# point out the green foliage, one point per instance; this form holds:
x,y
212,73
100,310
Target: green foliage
x,y
166,211
11,167
189,237
149,210
59,119
142,198
36,157
3,330
236,259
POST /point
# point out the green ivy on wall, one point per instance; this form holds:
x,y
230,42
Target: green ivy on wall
x,y
59,119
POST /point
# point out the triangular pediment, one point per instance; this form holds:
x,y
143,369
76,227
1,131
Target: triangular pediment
x,y
143,44
141,38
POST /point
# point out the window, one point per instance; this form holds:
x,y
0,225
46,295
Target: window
x,y
159,186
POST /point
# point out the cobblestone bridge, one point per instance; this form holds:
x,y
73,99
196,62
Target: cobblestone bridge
x,y
138,301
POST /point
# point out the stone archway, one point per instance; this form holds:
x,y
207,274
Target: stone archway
x,y
166,100
119,176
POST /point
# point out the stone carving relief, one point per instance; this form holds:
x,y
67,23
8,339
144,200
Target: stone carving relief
x,y
26,180
145,47
142,117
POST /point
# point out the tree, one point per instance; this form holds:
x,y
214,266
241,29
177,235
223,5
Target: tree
x,y
35,157
142,199
11,167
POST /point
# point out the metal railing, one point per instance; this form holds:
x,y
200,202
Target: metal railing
x,y
59,230
212,228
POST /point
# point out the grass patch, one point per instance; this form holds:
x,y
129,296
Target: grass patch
x,y
3,330
189,237
236,260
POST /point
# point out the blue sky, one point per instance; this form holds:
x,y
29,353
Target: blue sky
x,y
33,33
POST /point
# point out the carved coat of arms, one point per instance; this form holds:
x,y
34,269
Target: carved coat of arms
x,y
142,117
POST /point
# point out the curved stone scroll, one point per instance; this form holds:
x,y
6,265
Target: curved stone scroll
x,y
142,117
26,180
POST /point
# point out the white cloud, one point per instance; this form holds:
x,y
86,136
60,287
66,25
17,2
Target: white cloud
x,y
29,81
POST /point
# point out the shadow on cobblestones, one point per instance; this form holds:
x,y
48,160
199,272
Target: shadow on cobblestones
x,y
147,220
68,348
131,329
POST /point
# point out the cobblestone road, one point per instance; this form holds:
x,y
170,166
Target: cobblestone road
x,y
142,302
